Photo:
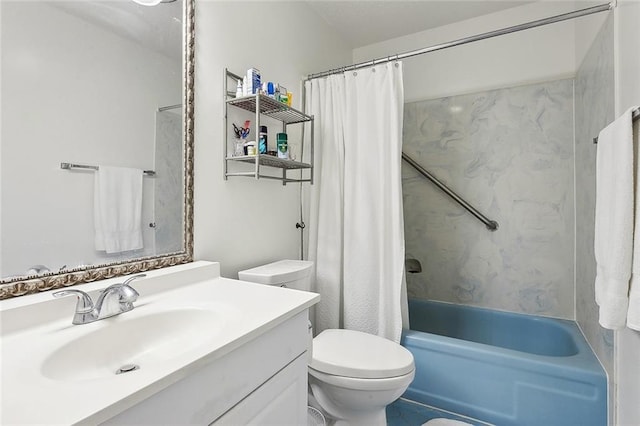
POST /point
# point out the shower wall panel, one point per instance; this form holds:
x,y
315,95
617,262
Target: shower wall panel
x,y
594,110
169,182
509,152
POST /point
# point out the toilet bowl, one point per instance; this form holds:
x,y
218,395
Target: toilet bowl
x,y
353,375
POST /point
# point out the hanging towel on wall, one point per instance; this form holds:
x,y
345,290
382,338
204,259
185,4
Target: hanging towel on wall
x,y
614,221
118,209
633,314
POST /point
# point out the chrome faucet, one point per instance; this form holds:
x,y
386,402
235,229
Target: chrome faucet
x,y
113,300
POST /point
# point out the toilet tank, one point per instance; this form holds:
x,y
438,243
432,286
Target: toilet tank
x,y
294,274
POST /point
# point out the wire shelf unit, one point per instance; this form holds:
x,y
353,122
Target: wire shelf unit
x,y
269,107
271,161
265,106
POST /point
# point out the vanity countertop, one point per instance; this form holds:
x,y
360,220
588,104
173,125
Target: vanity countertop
x,y
186,317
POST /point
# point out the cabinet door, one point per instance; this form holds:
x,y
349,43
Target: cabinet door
x,y
281,401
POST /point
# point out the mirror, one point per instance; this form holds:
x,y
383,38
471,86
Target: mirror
x,y
88,84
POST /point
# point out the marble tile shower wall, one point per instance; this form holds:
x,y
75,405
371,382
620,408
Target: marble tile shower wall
x,y
509,152
168,181
594,110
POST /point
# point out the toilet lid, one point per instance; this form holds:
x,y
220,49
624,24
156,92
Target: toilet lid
x,y
355,354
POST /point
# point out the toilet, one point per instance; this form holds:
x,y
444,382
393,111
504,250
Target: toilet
x,y
353,375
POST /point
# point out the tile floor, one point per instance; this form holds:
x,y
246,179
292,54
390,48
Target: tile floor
x,y
408,413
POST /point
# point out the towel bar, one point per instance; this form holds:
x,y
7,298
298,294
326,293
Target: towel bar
x,y
634,117
69,166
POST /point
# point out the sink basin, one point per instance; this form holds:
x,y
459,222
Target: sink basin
x,y
146,341
187,320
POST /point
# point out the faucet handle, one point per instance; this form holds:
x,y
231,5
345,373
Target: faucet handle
x,y
134,277
84,304
128,293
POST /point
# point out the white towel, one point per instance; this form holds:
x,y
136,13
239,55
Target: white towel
x,y
633,315
614,220
118,209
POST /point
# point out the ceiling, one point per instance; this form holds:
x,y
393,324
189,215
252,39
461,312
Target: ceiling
x,y
158,28
365,22
358,22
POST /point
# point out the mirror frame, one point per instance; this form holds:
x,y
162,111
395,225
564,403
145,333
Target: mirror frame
x,y
19,286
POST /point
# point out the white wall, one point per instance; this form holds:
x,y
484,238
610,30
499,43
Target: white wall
x,y
242,222
627,349
540,54
87,99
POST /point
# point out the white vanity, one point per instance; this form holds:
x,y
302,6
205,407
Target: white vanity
x,y
209,350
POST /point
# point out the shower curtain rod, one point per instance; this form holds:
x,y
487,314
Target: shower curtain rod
x,y
478,37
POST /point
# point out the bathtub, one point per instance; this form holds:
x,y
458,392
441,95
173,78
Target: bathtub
x,y
504,368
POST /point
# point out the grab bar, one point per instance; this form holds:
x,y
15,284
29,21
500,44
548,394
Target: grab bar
x,y
491,225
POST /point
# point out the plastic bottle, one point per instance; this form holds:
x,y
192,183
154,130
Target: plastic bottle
x,y
283,146
262,140
239,93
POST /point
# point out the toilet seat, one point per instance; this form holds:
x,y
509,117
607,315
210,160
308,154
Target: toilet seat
x,y
358,355
386,384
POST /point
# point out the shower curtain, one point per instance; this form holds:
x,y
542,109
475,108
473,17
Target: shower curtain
x,y
356,235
